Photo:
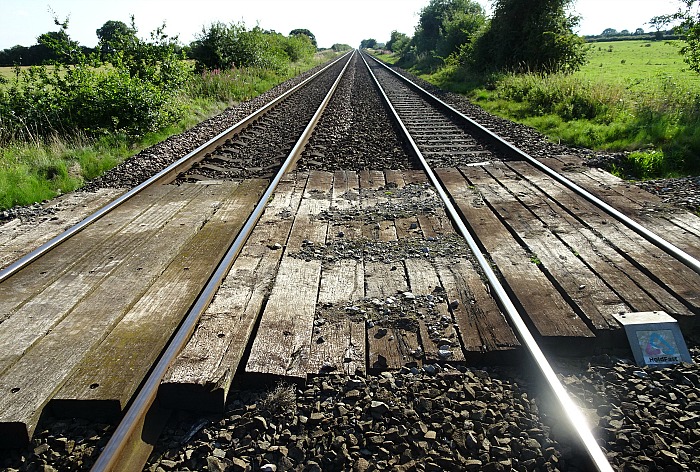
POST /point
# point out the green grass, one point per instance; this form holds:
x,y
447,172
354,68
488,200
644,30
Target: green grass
x,y
633,96
35,171
636,64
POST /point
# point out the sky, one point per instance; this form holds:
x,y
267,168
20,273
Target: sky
x,y
331,21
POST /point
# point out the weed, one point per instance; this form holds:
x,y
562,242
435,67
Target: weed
x,y
281,399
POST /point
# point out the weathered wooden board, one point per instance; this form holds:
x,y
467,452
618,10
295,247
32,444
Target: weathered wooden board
x,y
40,372
338,342
41,313
282,343
423,280
678,227
106,379
346,198
90,253
394,179
201,376
625,279
662,268
485,333
17,239
390,345
308,229
372,183
415,177
434,227
595,300
548,312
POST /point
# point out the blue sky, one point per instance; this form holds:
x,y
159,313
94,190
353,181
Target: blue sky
x,y
331,21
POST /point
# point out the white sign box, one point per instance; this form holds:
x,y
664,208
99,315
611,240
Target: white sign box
x,y
655,338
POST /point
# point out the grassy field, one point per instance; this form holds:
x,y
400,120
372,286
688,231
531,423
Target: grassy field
x,y
634,96
633,62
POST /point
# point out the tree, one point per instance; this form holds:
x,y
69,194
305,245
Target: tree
x,y
638,31
63,49
297,32
446,24
114,36
398,42
688,19
530,35
609,32
368,43
340,47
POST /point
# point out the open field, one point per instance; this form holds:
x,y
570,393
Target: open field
x,y
636,64
634,96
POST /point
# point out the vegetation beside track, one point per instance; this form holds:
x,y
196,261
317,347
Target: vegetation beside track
x,y
635,96
641,97
68,122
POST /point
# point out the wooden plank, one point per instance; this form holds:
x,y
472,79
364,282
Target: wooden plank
x,y
435,226
390,345
662,268
638,204
546,310
632,286
394,179
596,301
372,184
106,379
201,376
436,324
282,343
307,230
90,252
483,328
415,176
18,239
346,198
338,340
47,308
42,369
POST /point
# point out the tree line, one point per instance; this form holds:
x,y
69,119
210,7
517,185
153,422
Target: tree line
x,y
128,84
521,35
114,36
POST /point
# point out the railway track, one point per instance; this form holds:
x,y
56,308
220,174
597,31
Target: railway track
x,y
333,268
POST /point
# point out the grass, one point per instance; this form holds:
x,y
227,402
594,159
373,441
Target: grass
x,y
35,171
633,96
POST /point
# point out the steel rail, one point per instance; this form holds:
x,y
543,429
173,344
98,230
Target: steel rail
x,y
572,412
509,148
164,176
111,455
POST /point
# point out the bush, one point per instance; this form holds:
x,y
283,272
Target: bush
x,y
223,46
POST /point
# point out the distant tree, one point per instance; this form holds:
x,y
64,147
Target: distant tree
x,y
14,56
688,18
609,32
59,46
530,35
297,32
638,31
625,32
398,42
446,24
368,43
337,47
114,36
